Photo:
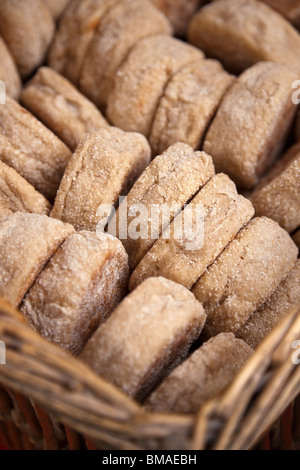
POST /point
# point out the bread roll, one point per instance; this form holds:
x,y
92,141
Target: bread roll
x,y
185,258
31,149
141,80
190,101
270,315
241,33
179,12
290,9
296,238
57,103
245,275
146,337
75,32
278,194
8,72
27,242
252,123
120,29
168,183
82,283
104,167
203,376
17,195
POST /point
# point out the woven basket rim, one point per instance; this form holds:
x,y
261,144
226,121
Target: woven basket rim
x,y
68,389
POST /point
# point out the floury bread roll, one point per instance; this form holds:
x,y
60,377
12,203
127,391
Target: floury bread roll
x,y
184,257
17,195
146,336
267,317
82,283
201,377
290,9
8,72
179,12
57,7
124,24
104,167
57,103
189,103
75,32
240,33
252,123
27,242
142,78
31,149
27,27
278,194
167,184
245,275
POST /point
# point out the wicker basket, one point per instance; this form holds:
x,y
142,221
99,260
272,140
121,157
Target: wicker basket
x,y
50,400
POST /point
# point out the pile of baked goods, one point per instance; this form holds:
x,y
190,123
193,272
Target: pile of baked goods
x,y
105,109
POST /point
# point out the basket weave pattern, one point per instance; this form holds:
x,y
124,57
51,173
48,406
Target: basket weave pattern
x,y
43,387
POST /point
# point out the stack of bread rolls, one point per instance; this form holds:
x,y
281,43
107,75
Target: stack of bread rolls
x,y
112,105
65,282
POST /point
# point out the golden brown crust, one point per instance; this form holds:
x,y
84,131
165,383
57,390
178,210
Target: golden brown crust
x,y
141,80
224,214
119,30
147,335
104,167
189,103
252,122
179,12
27,242
82,283
58,104
27,28
245,275
75,32
278,194
8,72
57,7
266,318
240,33
201,377
31,149
17,195
170,181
